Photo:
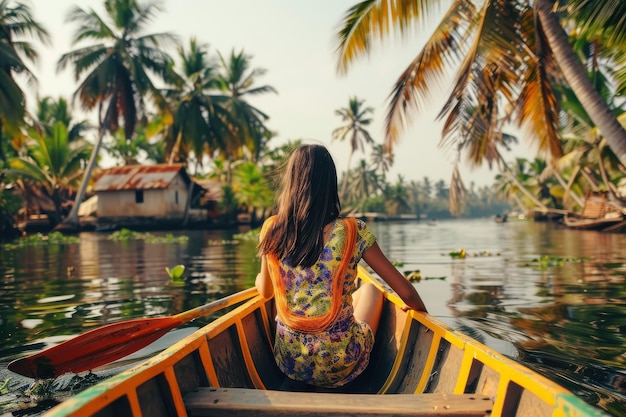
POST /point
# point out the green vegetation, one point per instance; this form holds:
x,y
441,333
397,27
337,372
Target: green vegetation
x,y
127,234
512,64
458,254
4,387
252,234
159,100
176,274
545,262
38,239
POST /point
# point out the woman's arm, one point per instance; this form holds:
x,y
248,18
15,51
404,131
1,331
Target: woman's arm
x,y
263,281
385,269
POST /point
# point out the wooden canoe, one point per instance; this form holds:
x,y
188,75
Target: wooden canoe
x,y
227,369
582,223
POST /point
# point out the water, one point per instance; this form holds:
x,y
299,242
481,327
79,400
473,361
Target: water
x,y
552,298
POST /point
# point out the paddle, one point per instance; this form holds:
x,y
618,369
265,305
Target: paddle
x,y
113,341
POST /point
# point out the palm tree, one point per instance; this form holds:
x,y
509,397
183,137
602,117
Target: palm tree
x,y
427,188
201,124
15,21
520,180
114,72
381,160
397,198
252,189
508,64
573,70
237,81
355,122
53,163
441,190
584,146
364,183
51,111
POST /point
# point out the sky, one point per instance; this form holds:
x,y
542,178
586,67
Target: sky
x,y
293,40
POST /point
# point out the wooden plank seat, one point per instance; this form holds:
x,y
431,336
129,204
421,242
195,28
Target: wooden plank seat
x,y
239,402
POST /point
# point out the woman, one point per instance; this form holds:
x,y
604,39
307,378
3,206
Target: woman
x,y
309,256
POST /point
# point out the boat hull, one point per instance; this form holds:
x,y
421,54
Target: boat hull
x,y
415,356
608,223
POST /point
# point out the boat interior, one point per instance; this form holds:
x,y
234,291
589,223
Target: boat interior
x,y
227,369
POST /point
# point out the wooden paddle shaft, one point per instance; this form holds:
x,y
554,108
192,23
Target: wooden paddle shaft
x,y
216,305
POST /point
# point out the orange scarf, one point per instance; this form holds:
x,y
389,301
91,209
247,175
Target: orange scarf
x,y
315,323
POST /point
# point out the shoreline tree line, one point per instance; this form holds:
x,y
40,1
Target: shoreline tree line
x,y
514,61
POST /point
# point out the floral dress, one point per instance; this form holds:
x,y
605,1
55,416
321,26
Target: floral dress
x,y
337,354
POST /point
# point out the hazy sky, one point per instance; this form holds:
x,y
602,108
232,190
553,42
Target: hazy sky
x,y
294,41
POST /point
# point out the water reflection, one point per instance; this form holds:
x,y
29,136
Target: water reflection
x,y
549,297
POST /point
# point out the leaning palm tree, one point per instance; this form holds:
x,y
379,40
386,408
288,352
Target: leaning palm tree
x,y
15,22
355,118
508,55
115,71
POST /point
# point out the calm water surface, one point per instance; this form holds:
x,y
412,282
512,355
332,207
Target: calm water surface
x,y
552,298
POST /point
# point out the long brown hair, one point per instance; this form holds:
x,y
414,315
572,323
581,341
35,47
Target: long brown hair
x,y
308,201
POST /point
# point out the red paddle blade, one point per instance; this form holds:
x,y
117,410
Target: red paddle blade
x,y
94,348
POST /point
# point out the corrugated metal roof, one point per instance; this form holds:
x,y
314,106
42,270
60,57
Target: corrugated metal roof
x,y
138,177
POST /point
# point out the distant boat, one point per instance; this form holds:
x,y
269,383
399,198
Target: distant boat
x,y
501,218
597,214
609,222
432,222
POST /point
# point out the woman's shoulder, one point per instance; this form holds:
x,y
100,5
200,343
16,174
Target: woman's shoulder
x,y
361,224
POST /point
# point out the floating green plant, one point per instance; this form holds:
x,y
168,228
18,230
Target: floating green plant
x,y
462,254
459,254
416,276
4,388
252,234
547,261
176,273
38,239
413,276
223,242
79,383
41,389
127,234
168,238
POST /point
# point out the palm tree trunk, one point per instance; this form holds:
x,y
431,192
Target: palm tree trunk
x,y
587,175
576,75
614,193
175,148
542,207
2,155
71,222
520,204
345,178
188,203
566,187
570,183
504,168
